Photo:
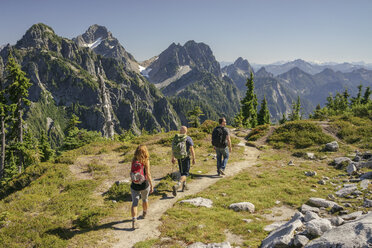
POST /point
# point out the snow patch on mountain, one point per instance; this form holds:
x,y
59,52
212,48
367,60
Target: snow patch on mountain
x,y
181,71
94,44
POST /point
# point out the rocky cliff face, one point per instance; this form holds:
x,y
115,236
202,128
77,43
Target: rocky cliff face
x,y
101,91
239,72
191,72
101,41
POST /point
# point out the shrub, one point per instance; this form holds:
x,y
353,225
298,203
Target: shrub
x,y
257,132
119,192
208,126
299,134
90,218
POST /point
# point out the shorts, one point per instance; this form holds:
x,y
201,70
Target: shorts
x,y
184,166
136,194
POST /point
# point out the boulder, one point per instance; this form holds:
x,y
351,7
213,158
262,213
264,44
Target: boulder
x,y
340,161
242,206
331,147
367,155
351,169
300,240
337,221
283,236
352,216
199,202
211,245
319,202
305,208
352,234
367,203
346,190
310,216
310,155
367,164
364,184
317,227
367,175
310,173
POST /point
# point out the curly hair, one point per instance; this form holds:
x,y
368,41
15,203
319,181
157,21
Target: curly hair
x,y
141,154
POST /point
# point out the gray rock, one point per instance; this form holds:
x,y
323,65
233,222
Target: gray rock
x,y
283,236
199,202
290,163
352,234
337,221
319,202
338,162
351,169
346,191
336,208
310,173
247,220
367,175
352,216
325,178
242,206
367,164
310,216
332,147
321,182
317,227
348,205
212,245
367,203
310,155
331,197
367,155
357,158
305,208
274,226
357,192
364,184
300,240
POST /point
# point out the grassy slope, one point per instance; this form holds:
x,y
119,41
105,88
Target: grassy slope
x,y
269,181
66,208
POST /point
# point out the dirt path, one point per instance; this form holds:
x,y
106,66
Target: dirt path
x,y
126,237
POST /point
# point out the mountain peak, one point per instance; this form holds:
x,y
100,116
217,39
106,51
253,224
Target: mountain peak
x,y
263,73
95,32
242,64
37,36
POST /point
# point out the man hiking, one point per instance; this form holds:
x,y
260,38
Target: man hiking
x,y
222,144
182,147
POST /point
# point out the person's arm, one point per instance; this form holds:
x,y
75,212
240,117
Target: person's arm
x,y
229,143
173,158
149,178
192,154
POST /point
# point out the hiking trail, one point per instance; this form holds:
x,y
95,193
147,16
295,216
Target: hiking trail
x,y
148,228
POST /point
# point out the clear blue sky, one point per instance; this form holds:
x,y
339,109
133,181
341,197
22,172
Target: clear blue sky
x,y
262,31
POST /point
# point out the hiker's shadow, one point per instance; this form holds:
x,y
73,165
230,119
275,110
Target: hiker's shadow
x,y
200,176
69,233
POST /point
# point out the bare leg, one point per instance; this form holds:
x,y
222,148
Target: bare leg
x,y
134,212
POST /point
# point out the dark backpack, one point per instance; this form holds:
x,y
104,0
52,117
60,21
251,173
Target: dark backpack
x,y
137,172
179,147
219,135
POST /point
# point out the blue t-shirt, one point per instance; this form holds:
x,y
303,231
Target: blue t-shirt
x,y
189,143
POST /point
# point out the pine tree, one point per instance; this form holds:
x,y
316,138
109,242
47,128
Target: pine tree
x,y
264,114
249,104
283,120
367,93
194,116
238,119
295,115
18,93
3,114
46,151
358,99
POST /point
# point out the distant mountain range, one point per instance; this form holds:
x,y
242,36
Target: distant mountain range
x,y
94,77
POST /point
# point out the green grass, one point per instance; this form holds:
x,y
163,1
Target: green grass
x,y
298,135
354,130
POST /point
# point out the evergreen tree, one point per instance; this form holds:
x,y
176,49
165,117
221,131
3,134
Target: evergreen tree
x,y
194,116
264,114
72,124
249,104
295,115
46,152
358,99
367,93
283,120
18,93
238,119
3,114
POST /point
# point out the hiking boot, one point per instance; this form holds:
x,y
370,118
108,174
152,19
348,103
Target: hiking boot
x,y
144,214
174,192
222,172
184,187
135,224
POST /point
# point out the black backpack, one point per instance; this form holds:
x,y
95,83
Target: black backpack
x,y
219,135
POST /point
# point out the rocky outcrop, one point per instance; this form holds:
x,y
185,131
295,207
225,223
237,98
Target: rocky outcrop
x,y
65,75
239,71
199,202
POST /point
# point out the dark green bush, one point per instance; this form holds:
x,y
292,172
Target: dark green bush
x,y
258,132
208,126
90,218
119,192
298,134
